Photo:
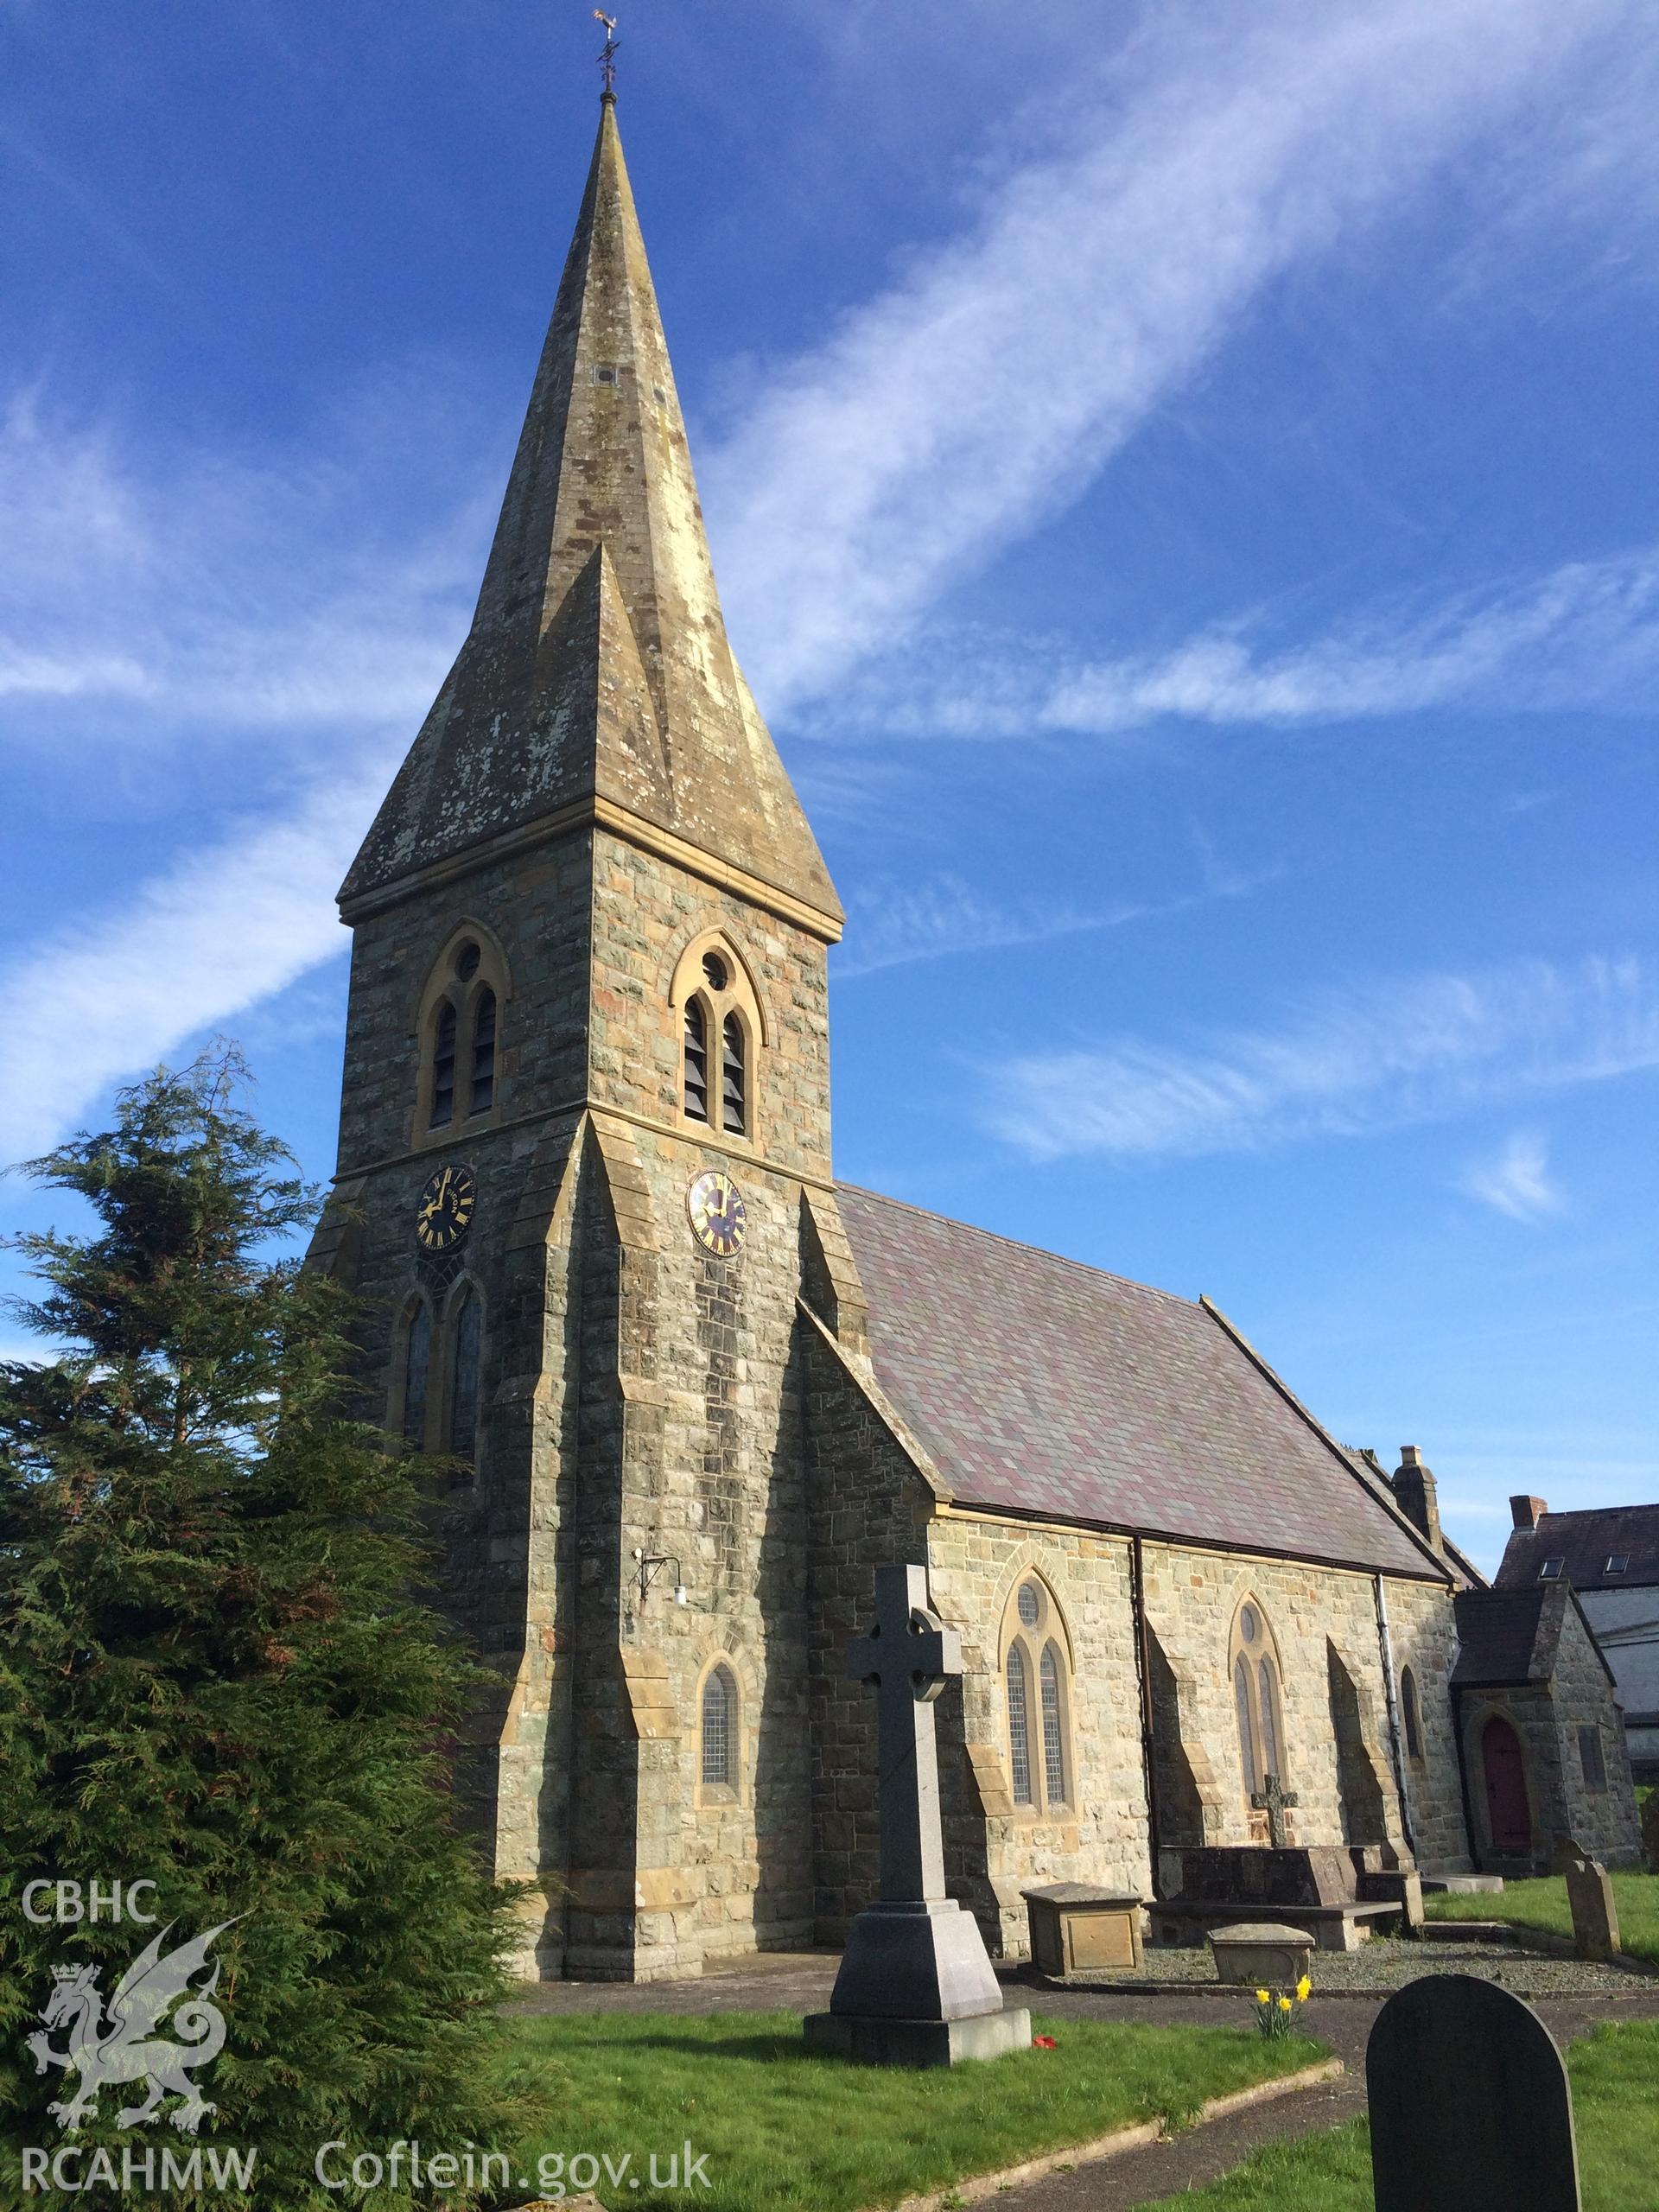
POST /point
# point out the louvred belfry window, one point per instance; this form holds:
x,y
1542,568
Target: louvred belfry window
x,y
696,1061
733,1079
483,1093
443,1069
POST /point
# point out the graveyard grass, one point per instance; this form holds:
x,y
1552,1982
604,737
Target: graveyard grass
x,y
1616,2117
1543,1904
783,2132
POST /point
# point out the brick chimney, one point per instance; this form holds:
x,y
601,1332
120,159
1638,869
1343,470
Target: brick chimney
x,y
1527,1512
1414,1486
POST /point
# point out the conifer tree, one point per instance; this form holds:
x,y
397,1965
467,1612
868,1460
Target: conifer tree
x,y
216,1671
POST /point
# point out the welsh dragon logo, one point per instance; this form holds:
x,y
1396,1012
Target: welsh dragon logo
x,y
120,2044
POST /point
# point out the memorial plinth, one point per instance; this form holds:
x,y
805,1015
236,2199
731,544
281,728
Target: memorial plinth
x,y
916,1986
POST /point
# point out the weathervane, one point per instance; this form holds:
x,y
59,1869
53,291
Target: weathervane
x,y
608,59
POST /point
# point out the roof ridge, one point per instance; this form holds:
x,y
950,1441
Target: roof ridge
x,y
1585,1513
1021,1244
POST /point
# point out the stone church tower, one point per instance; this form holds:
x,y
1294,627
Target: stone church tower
x,y
584,1193
588,987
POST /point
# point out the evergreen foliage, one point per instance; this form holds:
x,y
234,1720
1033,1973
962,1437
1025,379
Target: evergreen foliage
x,y
216,1671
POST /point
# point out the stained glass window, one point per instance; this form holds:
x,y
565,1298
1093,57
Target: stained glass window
x,y
1054,1749
1019,1729
1246,1732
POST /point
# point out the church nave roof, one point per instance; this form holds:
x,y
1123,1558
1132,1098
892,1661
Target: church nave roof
x,y
1049,1389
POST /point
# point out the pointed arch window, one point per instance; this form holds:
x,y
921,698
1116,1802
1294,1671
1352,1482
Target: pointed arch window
x,y
734,1075
696,1061
1257,1699
417,1361
719,1729
1410,1714
722,1037
467,1329
444,1068
1038,1688
483,1083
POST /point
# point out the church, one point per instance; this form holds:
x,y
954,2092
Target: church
x,y
690,1391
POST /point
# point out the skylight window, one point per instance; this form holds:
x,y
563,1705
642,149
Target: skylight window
x,y
1616,1563
1551,1570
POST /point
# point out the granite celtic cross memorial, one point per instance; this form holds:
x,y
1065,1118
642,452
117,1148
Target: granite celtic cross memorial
x,y
916,1986
1469,2103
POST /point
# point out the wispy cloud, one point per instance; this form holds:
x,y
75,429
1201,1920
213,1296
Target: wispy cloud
x,y
988,387
985,389
1517,1181
1344,1064
1585,635
893,924
218,594
185,605
201,942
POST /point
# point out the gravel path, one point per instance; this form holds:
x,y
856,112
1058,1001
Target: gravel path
x,y
1385,1964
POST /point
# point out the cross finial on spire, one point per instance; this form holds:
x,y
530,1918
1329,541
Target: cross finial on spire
x,y
607,58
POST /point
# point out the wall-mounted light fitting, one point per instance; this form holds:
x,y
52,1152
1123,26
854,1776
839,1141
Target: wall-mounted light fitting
x,y
648,1565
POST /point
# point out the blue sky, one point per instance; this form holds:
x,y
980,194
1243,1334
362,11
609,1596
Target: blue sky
x,y
1184,491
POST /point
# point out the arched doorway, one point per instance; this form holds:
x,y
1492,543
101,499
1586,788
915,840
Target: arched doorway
x,y
1508,1818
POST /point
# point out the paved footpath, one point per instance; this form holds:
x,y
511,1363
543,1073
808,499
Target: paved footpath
x,y
801,1982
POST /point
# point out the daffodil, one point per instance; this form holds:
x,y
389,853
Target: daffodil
x,y
1284,2004
1302,1988
1261,1996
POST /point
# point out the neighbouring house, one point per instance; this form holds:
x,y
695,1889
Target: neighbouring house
x,y
1609,1557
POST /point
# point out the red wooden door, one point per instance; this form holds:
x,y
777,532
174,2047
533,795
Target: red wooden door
x,y
1506,1787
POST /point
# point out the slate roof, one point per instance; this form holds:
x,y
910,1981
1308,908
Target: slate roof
x,y
1507,1636
1047,1388
1512,1636
1585,1541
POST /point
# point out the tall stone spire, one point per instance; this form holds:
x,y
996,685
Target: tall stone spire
x,y
597,680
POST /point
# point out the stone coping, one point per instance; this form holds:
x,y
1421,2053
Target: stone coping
x,y
1248,1932
1064,1894
1295,1915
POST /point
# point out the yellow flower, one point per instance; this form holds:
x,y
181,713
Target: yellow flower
x,y
1284,2004
1302,1988
1261,1996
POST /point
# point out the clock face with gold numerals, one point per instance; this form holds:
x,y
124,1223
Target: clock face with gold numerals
x,y
445,1212
719,1216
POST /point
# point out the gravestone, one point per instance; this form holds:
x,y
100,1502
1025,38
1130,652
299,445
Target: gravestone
x,y
1650,1830
915,1987
1469,2102
1566,1854
1276,1801
1595,1917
